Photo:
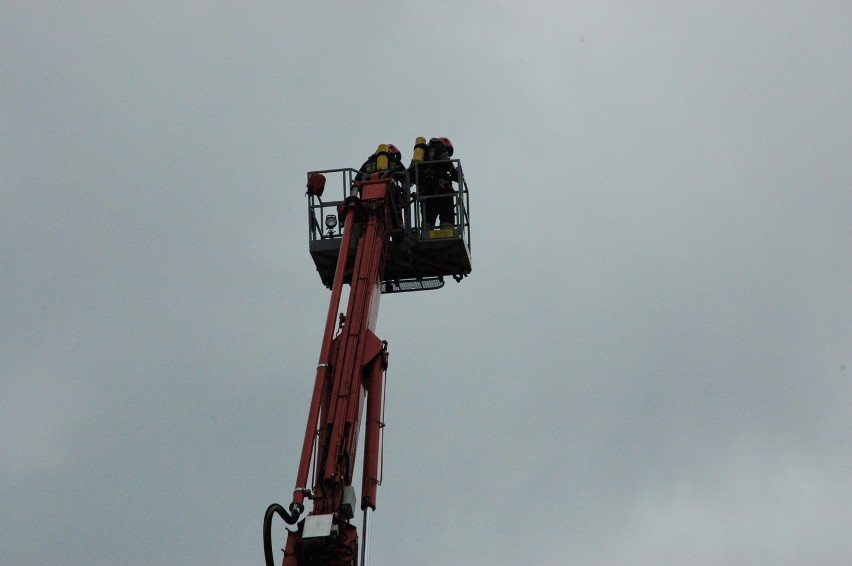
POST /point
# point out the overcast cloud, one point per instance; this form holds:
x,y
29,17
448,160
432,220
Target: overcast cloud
x,y
651,362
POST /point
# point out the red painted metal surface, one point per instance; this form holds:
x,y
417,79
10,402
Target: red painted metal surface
x,y
350,375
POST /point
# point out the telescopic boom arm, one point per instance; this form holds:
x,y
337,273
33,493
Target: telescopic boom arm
x,y
350,371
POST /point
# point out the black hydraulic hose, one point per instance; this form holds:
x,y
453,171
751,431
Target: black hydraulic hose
x,y
289,518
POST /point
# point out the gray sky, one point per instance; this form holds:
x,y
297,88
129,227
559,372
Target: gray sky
x,y
650,364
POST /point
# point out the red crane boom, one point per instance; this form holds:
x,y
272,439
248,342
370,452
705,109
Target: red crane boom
x,y
379,247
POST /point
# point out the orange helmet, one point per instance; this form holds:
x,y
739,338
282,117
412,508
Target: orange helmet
x,y
393,150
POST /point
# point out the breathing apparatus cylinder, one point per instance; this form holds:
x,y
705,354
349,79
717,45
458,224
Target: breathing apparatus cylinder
x,y
382,157
419,149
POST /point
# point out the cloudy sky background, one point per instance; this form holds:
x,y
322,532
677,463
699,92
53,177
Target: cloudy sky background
x,y
650,364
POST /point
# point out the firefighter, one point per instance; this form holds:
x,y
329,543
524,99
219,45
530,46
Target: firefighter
x,y
391,166
370,166
435,177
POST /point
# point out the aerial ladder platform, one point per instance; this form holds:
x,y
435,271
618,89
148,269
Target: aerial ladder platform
x,y
372,239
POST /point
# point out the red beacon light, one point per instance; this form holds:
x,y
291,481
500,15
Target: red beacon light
x,y
316,184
